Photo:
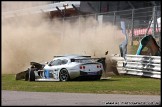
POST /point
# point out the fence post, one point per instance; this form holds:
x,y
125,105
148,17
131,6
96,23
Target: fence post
x,y
154,21
96,19
79,26
63,23
132,27
114,19
99,6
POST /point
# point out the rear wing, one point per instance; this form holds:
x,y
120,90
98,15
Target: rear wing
x,y
95,59
79,56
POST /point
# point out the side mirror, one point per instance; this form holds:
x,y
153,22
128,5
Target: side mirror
x,y
46,62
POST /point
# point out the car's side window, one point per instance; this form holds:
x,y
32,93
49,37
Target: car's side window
x,y
64,61
58,62
55,62
51,63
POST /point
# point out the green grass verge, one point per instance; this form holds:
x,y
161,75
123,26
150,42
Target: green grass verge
x,y
132,49
114,85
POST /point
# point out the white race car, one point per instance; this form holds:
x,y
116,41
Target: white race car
x,y
65,68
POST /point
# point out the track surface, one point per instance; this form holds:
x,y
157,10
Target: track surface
x,y
58,98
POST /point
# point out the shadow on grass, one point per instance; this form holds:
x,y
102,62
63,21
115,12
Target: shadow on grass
x,y
106,79
101,80
112,79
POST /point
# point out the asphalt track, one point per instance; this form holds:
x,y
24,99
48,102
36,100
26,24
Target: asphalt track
x,y
17,98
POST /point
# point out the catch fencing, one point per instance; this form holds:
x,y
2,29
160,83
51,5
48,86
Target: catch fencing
x,y
136,20
140,65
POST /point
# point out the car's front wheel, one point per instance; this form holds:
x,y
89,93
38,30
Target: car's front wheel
x,y
31,76
27,76
64,75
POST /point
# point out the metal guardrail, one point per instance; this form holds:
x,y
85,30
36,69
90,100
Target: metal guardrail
x,y
119,63
141,65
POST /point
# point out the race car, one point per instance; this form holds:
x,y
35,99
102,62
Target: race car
x,y
65,68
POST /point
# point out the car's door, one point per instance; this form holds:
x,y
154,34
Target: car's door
x,y
53,65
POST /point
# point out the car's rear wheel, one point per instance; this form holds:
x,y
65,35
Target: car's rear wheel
x,y
64,75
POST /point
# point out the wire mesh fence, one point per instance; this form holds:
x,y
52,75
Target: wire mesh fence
x,y
138,22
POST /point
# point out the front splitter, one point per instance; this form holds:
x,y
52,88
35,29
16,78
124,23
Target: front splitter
x,y
46,79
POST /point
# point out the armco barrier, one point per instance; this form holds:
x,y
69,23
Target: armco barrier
x,y
119,63
141,65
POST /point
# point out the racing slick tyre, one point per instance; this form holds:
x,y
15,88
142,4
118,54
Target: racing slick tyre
x,y
31,76
64,75
27,76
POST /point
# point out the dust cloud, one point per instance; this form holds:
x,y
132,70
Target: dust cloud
x,y
34,38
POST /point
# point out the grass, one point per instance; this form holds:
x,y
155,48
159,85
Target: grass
x,y
132,49
114,85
